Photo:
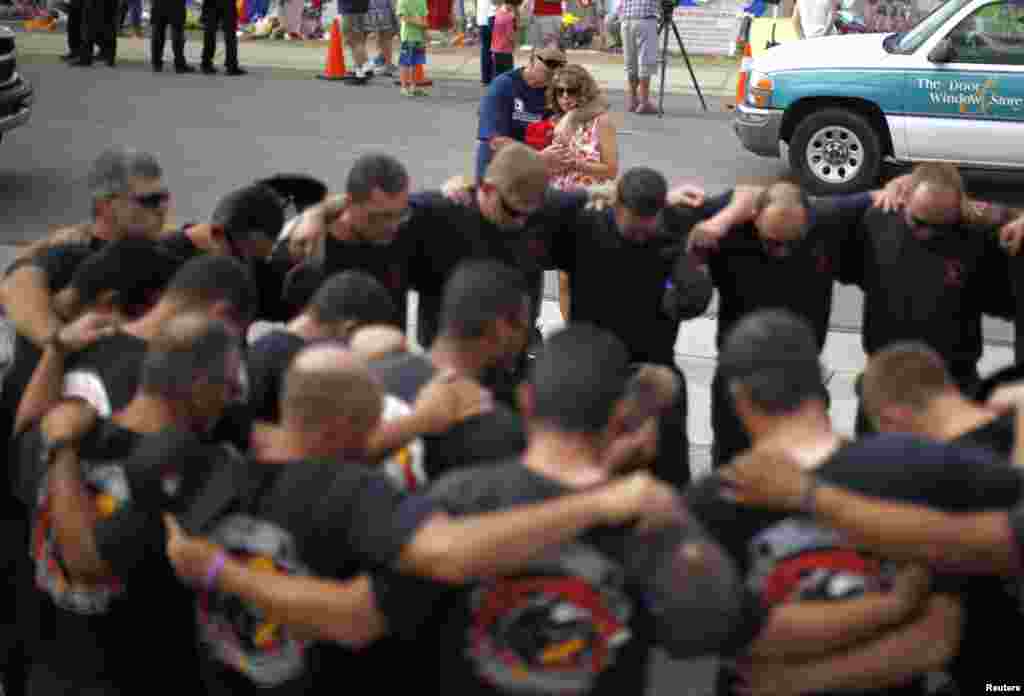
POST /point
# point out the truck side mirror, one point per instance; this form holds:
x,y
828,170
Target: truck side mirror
x,y
943,52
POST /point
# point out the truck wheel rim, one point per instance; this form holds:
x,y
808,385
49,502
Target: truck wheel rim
x,y
835,154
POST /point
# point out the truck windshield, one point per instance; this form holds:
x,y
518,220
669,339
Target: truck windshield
x,y
909,41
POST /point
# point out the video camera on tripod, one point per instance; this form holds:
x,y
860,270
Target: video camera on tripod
x,y
666,22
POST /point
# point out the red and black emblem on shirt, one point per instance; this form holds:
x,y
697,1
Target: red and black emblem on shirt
x,y
823,263
552,632
953,275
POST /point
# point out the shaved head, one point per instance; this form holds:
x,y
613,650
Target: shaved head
x,y
326,383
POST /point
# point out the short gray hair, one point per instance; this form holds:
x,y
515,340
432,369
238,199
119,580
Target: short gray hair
x,y
112,170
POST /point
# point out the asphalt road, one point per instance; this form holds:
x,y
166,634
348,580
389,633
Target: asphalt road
x,y
213,134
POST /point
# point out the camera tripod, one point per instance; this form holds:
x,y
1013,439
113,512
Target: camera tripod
x,y
667,22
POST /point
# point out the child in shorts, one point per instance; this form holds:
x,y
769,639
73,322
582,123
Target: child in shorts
x,y
413,15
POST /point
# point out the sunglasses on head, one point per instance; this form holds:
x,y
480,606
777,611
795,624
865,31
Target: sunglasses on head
x,y
552,64
151,200
567,91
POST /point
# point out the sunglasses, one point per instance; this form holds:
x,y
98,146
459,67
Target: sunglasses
x,y
567,91
552,64
151,201
511,212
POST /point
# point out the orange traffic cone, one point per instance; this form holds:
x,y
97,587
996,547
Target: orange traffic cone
x,y
420,76
745,66
335,69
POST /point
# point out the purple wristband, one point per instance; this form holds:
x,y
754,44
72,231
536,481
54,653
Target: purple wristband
x,y
214,571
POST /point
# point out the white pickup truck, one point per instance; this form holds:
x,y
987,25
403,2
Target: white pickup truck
x,y
951,89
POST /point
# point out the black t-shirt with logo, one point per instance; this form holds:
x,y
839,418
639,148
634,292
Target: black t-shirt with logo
x,y
748,278
772,547
322,518
985,656
574,622
91,631
602,264
448,233
932,291
498,434
107,373
581,618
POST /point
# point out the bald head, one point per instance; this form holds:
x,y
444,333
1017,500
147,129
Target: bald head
x,y
782,214
327,383
377,341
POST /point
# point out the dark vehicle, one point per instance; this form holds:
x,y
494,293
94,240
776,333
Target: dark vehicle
x,y
15,91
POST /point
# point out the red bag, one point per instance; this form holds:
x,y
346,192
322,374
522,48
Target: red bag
x,y
540,134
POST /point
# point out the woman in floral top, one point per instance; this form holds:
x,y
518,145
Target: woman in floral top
x,y
586,136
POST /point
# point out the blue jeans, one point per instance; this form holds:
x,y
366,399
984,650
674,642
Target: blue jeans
x,y
486,59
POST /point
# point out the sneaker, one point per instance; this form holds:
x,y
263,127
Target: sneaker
x,y
385,70
407,92
420,92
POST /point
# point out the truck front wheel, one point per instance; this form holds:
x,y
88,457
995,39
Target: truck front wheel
x,y
836,151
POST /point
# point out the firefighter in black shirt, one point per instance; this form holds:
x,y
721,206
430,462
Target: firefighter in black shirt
x,y
632,249
928,273
784,257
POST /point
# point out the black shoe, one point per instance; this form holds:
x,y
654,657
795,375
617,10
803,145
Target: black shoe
x,y
158,67
110,61
209,70
68,57
184,69
81,62
235,70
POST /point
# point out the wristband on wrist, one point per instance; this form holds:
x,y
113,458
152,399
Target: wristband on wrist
x,y
216,566
811,485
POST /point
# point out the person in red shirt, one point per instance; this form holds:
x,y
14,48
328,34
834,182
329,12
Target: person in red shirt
x,y
546,24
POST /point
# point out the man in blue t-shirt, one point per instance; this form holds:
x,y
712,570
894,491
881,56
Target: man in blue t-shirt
x,y
512,102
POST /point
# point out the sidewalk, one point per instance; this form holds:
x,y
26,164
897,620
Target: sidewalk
x,y
716,75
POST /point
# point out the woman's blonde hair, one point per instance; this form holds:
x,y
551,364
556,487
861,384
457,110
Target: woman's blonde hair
x,y
577,76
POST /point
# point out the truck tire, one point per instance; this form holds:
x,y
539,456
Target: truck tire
x,y
836,151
